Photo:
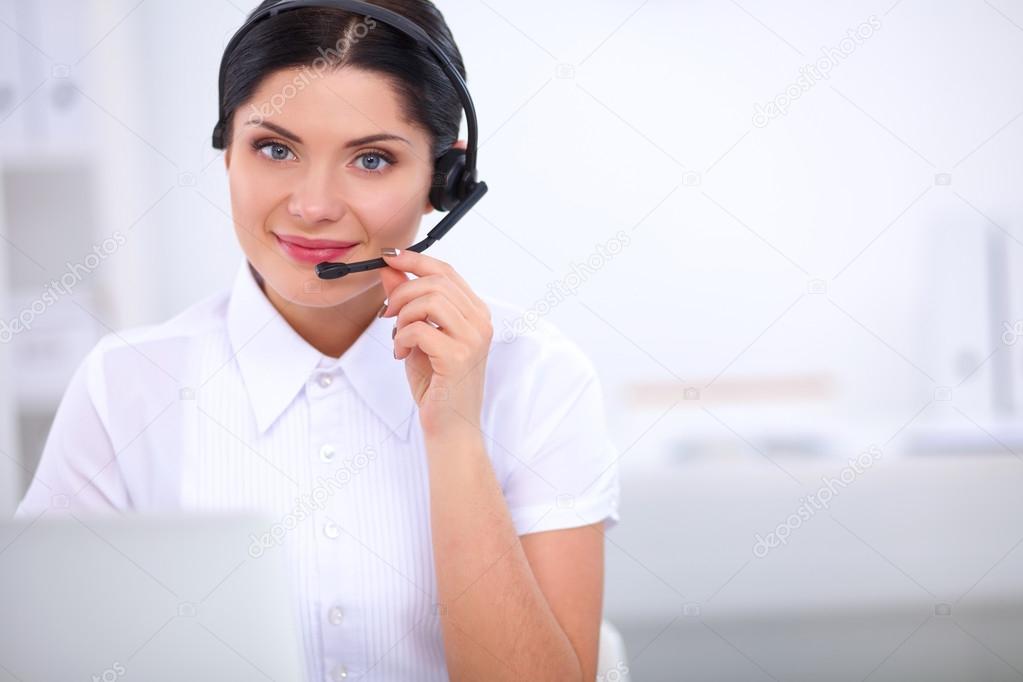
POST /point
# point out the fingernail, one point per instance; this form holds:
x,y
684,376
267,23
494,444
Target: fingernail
x,y
389,252
383,309
396,355
394,331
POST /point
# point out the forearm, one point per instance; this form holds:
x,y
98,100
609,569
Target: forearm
x,y
496,622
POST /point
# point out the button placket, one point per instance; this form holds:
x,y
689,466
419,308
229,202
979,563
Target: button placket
x,y
343,638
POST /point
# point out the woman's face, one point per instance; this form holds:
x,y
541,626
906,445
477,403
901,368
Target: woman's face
x,y
300,168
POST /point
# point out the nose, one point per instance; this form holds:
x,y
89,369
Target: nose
x,y
317,198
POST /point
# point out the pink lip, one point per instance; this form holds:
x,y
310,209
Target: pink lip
x,y
314,250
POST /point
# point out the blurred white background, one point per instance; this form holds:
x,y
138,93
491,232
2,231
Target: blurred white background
x,y
825,259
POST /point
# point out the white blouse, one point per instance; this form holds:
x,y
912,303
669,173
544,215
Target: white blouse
x,y
226,407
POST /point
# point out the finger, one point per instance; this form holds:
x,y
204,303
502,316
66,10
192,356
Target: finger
x,y
436,308
391,279
407,291
421,265
444,352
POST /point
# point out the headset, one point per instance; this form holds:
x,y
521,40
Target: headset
x,y
454,189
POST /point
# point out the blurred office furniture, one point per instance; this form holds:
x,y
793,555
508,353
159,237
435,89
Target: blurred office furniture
x,y
54,216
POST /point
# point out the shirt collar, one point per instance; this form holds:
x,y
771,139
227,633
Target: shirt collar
x,y
276,362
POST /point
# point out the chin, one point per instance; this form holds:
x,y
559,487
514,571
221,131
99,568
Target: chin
x,y
303,287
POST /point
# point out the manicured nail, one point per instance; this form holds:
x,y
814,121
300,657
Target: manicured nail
x,y
394,331
383,309
389,252
395,354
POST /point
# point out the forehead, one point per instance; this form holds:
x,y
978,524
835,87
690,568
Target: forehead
x,y
336,104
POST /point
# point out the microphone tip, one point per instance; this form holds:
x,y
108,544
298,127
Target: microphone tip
x,y
328,270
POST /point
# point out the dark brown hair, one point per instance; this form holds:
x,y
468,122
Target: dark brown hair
x,y
321,36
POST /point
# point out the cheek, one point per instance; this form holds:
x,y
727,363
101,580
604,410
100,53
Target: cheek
x,y
393,207
252,198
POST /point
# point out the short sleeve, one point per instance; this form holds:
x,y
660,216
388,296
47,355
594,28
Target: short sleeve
x,y
77,469
567,473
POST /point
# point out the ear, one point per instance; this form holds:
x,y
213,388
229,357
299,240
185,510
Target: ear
x,y
460,144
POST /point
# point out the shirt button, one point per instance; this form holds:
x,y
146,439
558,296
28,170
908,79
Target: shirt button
x,y
339,672
331,530
335,615
327,452
324,380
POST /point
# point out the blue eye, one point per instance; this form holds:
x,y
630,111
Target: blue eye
x,y
374,161
276,149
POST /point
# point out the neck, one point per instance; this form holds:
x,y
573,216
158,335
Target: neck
x,y
334,329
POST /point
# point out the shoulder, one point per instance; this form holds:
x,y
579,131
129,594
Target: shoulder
x,y
527,348
537,378
202,317
155,357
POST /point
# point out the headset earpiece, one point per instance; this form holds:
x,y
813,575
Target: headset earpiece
x,y
447,187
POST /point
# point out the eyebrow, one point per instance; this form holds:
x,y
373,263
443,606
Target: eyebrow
x,y
368,139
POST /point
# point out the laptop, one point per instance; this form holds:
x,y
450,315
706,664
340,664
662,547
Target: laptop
x,y
144,597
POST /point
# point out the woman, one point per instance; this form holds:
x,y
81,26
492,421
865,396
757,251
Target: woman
x,y
442,490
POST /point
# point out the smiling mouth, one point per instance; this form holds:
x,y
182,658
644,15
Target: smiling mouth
x,y
314,243
314,251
